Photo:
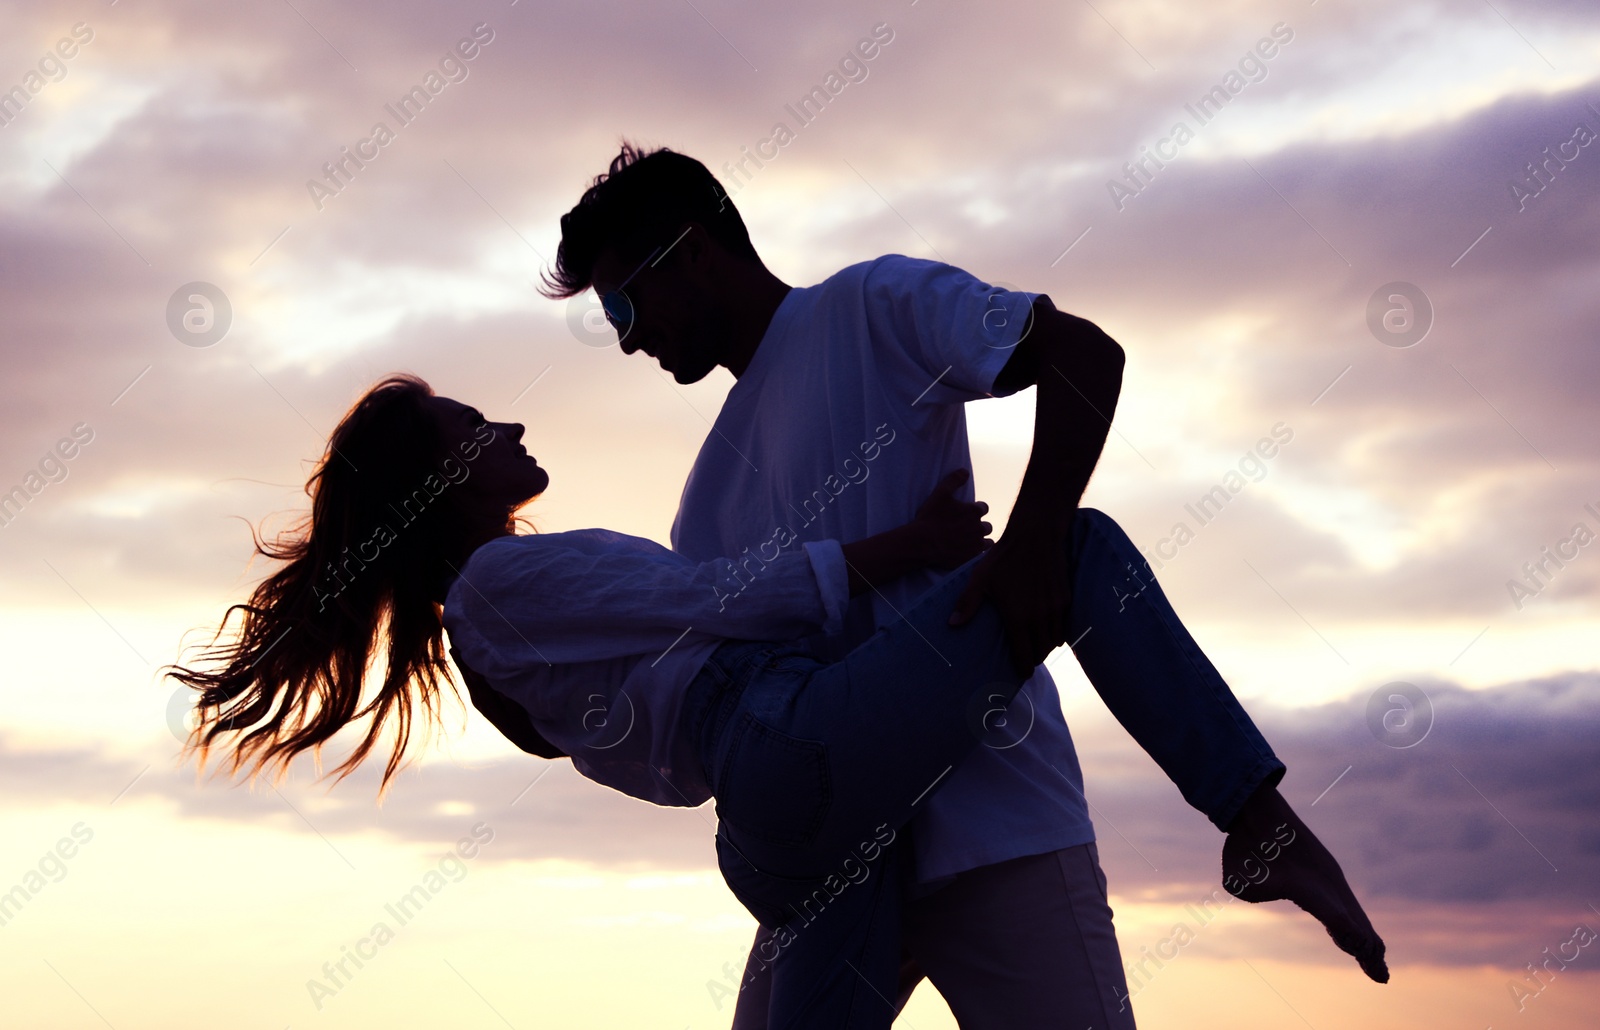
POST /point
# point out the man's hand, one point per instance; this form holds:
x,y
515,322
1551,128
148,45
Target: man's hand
x,y
1027,576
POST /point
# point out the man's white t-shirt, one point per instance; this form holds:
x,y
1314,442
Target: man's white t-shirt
x,y
848,415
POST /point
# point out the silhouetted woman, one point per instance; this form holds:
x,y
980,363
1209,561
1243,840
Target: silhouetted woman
x,y
669,680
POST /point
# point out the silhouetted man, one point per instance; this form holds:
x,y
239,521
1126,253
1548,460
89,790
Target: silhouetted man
x,y
847,410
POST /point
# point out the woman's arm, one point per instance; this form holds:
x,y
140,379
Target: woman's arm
x,y
510,718
592,595
944,534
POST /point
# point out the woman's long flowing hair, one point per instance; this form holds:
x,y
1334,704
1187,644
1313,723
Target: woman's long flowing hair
x,y
388,522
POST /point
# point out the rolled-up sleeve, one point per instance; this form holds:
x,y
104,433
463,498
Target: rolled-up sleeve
x,y
958,330
833,580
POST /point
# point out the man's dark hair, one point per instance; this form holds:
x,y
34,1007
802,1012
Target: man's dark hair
x,y
637,205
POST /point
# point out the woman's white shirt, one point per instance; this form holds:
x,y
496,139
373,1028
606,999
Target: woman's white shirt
x,y
599,634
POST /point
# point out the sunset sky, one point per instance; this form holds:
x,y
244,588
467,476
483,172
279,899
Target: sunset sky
x,y
1371,228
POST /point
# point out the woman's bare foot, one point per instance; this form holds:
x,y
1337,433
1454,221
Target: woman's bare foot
x,y
1270,854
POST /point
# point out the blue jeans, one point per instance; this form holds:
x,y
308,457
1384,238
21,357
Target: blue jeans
x,y
816,767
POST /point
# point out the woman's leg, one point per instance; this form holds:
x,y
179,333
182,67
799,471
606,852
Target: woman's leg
x,y
814,760
832,964
816,768
1159,684
1155,679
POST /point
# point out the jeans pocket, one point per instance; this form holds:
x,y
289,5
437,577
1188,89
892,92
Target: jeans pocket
x,y
1093,851
765,895
773,788
789,659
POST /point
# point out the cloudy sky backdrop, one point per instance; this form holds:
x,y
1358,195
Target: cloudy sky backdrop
x,y
1444,146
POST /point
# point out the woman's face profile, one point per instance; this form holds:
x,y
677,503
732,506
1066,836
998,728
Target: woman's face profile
x,y
501,470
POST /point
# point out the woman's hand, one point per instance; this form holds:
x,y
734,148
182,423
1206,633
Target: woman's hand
x,y
947,532
944,534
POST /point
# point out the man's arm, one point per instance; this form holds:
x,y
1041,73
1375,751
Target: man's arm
x,y
1076,370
